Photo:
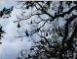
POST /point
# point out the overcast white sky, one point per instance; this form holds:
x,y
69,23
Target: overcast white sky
x,y
11,45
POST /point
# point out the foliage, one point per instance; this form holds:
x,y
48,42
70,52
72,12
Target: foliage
x,y
3,12
58,41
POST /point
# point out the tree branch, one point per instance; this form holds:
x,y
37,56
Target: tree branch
x,y
66,28
59,15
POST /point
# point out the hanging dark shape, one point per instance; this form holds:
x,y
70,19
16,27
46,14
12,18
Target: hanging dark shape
x,y
31,48
0,42
31,22
27,34
18,25
1,31
46,34
1,13
38,29
29,56
42,42
4,9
